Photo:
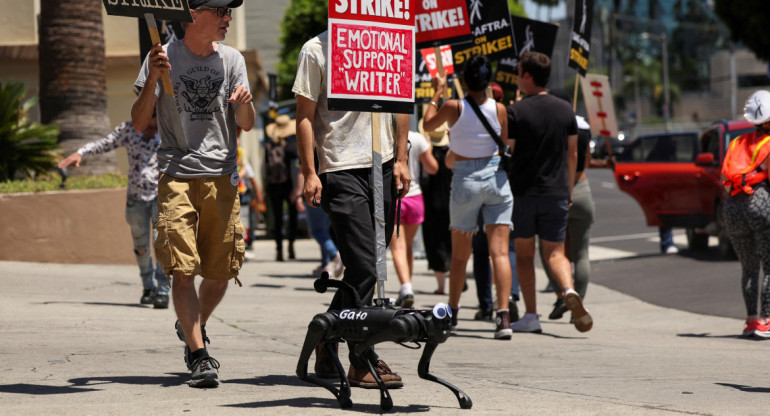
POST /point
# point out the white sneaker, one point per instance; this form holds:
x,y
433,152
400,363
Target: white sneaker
x,y
320,269
528,323
672,250
339,268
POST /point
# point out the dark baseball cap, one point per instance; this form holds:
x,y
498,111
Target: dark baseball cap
x,y
194,4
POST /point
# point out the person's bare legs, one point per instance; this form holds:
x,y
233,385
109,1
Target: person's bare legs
x,y
440,281
210,293
497,237
187,309
561,270
192,309
461,252
410,231
525,268
562,273
398,249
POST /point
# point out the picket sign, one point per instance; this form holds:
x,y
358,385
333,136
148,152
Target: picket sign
x,y
176,10
371,68
597,95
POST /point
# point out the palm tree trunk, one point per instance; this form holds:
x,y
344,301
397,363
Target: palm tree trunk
x,y
73,91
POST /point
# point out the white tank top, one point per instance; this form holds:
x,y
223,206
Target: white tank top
x,y
468,137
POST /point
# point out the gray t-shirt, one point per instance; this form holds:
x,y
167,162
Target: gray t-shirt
x,y
202,87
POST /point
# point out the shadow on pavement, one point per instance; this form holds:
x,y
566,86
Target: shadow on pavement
x,y
130,305
317,403
747,389
271,380
708,335
268,286
41,390
172,379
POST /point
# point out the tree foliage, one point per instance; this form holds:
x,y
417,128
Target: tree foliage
x,y
303,20
26,147
516,7
747,21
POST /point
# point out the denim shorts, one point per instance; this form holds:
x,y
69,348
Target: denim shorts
x,y
541,215
477,185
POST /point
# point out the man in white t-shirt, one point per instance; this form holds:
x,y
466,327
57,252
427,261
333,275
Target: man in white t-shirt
x,y
342,186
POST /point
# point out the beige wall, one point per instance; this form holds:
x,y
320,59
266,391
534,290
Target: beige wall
x,y
66,227
18,22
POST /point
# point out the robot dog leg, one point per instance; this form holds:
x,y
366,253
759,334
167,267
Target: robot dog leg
x,y
370,325
320,330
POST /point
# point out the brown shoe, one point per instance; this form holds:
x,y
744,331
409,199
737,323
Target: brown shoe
x,y
324,363
582,319
365,379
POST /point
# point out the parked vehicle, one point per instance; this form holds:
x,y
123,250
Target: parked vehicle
x,y
676,179
599,147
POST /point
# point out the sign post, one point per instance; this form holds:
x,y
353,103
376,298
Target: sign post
x,y
371,67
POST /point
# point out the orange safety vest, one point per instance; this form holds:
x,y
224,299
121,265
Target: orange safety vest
x,y
742,167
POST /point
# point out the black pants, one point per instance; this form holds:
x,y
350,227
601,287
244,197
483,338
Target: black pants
x,y
436,235
278,193
347,198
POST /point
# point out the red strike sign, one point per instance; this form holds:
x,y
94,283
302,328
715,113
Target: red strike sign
x,y
442,22
429,55
371,54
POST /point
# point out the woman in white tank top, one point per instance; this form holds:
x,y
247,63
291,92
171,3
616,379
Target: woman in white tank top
x,y
477,184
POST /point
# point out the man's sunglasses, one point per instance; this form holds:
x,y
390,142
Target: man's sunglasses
x,y
221,11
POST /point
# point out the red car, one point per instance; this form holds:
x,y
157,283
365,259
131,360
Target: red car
x,y
676,179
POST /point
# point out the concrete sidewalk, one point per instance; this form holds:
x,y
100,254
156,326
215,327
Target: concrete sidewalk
x,y
75,341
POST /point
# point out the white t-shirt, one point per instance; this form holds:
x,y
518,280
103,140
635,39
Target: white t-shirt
x,y
419,145
343,139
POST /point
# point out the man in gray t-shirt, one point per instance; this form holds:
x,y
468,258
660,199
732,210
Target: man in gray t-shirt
x,y
199,228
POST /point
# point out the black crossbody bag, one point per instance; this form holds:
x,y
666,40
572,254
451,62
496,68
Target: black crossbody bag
x,y
506,158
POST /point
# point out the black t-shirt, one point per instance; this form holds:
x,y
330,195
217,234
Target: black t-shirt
x,y
540,125
584,138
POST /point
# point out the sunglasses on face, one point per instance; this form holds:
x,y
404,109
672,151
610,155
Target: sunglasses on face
x,y
221,11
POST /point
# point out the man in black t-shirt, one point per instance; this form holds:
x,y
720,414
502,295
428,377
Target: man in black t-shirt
x,y
544,132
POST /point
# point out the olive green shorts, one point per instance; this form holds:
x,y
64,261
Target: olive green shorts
x,y
199,227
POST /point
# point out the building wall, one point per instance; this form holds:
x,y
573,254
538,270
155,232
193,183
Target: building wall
x,y
263,30
18,22
18,40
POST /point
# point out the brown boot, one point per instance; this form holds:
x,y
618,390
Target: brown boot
x,y
324,363
364,379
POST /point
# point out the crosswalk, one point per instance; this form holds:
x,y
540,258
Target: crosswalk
x,y
598,250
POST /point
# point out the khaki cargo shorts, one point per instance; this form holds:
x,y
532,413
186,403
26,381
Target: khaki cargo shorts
x,y
199,227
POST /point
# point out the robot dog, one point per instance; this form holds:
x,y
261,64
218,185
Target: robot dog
x,y
371,325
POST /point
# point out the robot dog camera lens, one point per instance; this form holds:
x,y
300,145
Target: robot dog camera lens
x,y
441,311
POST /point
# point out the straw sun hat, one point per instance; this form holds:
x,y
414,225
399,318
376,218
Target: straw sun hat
x,y
283,127
438,137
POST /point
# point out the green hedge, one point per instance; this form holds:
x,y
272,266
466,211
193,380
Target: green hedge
x,y
53,182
